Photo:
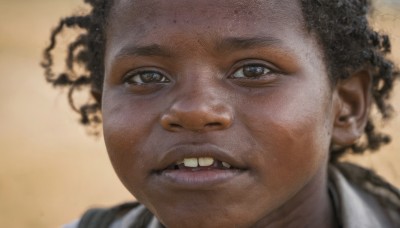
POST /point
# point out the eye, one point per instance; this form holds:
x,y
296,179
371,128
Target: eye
x,y
251,71
145,77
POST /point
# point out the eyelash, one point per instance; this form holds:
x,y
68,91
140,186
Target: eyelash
x,y
262,71
138,77
140,80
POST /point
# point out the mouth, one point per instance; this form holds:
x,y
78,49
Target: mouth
x,y
194,167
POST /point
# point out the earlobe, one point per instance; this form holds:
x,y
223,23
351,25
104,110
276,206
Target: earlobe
x,y
354,99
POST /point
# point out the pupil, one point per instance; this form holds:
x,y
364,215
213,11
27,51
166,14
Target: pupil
x,y
150,77
252,71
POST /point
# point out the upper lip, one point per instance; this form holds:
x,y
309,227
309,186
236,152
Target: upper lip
x,y
180,152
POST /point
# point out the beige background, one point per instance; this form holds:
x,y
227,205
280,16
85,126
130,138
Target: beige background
x,y
50,170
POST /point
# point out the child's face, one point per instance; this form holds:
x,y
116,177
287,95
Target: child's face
x,y
238,81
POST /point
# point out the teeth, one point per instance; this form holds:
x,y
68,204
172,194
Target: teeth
x,y
206,161
191,162
203,162
226,165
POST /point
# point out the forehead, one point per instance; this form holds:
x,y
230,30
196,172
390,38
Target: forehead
x,y
252,8
231,17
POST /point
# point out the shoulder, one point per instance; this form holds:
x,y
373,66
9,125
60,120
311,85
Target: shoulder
x,y
120,216
363,198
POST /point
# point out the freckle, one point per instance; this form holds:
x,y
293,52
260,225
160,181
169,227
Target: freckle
x,y
174,21
236,12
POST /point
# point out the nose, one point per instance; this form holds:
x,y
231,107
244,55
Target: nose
x,y
197,112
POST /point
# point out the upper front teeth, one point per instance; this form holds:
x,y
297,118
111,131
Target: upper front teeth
x,y
195,162
202,162
206,161
191,162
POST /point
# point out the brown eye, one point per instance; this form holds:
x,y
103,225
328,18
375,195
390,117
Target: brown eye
x,y
251,71
146,77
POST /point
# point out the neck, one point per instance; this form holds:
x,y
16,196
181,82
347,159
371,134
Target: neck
x,y
311,207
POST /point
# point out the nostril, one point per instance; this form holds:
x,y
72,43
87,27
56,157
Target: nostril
x,y
197,119
172,125
214,124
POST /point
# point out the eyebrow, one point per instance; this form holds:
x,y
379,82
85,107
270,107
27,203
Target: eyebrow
x,y
239,43
147,50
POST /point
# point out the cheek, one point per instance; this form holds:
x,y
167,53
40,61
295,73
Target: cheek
x,y
126,130
291,132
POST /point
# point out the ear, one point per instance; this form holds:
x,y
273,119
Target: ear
x,y
354,100
96,93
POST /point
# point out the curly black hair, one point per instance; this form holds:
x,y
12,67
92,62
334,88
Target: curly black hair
x,y
341,27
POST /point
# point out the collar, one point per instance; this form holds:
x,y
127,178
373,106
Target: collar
x,y
354,206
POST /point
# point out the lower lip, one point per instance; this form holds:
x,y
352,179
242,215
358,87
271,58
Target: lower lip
x,y
198,179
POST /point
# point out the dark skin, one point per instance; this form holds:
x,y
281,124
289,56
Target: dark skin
x,y
240,82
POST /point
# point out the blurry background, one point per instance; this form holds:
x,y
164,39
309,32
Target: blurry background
x,y
50,170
